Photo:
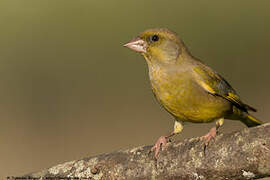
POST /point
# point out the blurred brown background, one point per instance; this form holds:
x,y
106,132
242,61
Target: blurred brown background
x,y
70,90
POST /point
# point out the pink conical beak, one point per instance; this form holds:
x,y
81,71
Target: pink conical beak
x,y
137,44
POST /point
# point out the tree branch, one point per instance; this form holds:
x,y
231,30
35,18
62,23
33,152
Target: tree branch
x,y
237,155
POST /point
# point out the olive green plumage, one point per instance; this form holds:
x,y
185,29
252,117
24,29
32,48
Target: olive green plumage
x,y
185,86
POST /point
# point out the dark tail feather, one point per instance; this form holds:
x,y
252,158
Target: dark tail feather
x,y
249,108
251,121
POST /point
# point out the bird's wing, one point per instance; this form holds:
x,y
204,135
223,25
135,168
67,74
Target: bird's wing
x,y
216,85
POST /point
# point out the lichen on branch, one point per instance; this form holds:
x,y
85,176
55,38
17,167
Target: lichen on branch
x,y
243,154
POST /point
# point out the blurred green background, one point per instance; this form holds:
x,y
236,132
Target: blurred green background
x,y
70,90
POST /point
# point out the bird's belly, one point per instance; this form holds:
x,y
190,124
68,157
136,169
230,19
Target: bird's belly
x,y
189,103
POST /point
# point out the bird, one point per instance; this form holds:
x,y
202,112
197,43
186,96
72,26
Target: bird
x,y
186,87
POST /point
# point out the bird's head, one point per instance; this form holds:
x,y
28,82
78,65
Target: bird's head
x,y
157,45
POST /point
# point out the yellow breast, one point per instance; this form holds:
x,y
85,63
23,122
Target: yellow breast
x,y
182,97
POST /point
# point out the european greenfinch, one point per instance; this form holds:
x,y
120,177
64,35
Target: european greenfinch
x,y
186,87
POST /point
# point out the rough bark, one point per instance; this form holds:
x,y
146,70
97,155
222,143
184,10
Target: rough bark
x,y
237,155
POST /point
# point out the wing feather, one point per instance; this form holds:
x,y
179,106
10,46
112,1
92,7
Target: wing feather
x,y
216,85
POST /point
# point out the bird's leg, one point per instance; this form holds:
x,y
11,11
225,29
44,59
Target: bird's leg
x,y
162,141
212,133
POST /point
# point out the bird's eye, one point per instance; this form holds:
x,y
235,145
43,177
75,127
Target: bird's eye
x,y
155,38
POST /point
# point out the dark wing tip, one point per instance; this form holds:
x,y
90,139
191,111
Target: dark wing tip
x,y
250,108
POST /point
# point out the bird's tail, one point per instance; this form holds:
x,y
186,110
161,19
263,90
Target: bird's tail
x,y
251,121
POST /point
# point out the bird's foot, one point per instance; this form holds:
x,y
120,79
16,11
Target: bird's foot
x,y
162,141
209,136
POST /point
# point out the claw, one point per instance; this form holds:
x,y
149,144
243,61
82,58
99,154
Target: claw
x,y
209,136
162,141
